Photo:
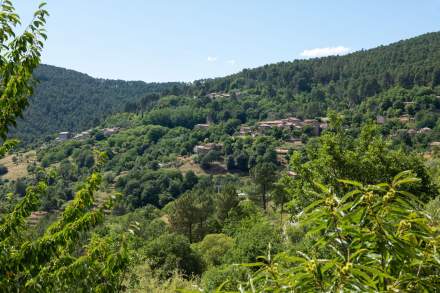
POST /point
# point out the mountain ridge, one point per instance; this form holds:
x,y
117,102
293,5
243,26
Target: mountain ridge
x,y
67,100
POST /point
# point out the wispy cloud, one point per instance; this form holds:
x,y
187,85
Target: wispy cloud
x,y
321,52
212,59
231,62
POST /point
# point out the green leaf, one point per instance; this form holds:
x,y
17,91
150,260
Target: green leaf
x,y
351,182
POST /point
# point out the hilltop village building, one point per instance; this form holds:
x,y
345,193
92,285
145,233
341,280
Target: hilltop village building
x,y
202,126
63,136
380,119
82,135
290,123
203,149
110,131
218,95
406,119
294,123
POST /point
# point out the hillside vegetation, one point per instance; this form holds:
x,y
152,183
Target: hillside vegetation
x,y
66,100
306,176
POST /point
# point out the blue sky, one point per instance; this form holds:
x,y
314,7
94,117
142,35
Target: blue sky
x,y
177,40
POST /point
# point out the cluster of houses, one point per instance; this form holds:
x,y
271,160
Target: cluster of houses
x,y
203,149
290,123
219,95
405,119
413,131
66,135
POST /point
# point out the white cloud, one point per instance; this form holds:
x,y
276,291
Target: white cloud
x,y
321,52
212,59
231,62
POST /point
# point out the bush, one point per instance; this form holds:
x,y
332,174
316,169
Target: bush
x,y
252,238
172,252
3,170
373,238
216,276
213,247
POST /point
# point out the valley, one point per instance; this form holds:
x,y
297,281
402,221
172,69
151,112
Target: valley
x,y
312,175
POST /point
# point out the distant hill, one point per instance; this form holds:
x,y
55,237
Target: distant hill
x,y
348,79
66,100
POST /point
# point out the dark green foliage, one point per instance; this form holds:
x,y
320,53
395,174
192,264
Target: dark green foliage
x,y
142,187
3,170
230,163
224,202
85,159
65,100
189,214
171,252
183,116
190,180
352,78
210,157
264,175
369,159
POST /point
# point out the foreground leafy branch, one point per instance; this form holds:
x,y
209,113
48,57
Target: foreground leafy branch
x,y
374,238
53,260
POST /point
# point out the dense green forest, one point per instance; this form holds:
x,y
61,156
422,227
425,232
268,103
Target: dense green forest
x,y
309,176
362,85
66,100
347,80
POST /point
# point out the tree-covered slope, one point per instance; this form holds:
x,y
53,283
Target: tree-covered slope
x,y
66,100
348,79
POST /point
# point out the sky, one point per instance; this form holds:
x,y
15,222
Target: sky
x,y
186,40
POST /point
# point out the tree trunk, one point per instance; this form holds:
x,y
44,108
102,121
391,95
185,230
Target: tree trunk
x,y
190,233
282,210
264,197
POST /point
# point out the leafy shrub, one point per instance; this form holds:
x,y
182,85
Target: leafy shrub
x,y
373,238
171,252
213,247
225,278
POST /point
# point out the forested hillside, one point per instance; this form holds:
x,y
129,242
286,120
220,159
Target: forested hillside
x,y
66,100
308,176
303,87
347,79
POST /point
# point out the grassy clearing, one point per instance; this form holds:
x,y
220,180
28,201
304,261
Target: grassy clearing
x,y
17,168
187,164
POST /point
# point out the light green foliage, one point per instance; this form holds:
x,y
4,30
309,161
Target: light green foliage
x,y
433,211
369,159
19,56
50,261
373,238
252,237
213,247
58,260
224,278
